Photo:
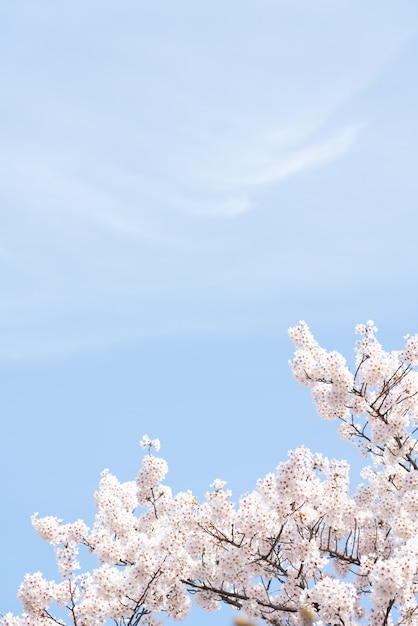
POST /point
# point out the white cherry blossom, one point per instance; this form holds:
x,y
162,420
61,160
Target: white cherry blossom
x,y
302,548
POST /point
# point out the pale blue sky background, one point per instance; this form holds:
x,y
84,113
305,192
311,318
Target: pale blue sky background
x,y
180,181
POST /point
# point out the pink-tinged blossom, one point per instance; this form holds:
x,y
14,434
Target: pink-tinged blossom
x,y
47,527
35,593
146,442
303,548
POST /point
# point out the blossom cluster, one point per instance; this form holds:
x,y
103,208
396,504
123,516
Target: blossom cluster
x,y
302,548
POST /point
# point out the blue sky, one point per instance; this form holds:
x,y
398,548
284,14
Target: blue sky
x,y
180,182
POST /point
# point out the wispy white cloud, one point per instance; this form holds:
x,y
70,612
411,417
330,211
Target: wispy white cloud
x,y
127,168
306,157
233,174
43,188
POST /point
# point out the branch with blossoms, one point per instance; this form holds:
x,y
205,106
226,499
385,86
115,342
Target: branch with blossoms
x,y
302,548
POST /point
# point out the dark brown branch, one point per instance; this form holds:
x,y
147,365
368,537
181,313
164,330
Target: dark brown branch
x,y
235,598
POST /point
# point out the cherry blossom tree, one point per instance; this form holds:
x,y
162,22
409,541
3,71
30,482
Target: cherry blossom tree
x,y
302,548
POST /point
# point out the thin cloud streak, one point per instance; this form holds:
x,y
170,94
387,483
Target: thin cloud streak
x,y
44,189
309,157
123,191
236,190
